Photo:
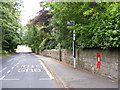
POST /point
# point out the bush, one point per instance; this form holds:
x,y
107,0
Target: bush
x,y
5,52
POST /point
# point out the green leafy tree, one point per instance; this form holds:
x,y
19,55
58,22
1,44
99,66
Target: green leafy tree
x,y
9,18
38,32
96,24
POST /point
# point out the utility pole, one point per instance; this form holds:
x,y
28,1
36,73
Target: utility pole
x,y
74,49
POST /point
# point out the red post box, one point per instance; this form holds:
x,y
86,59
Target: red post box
x,y
98,60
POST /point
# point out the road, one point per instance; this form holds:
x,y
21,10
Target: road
x,y
25,71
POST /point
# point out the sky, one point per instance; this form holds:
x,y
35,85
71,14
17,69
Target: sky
x,y
29,10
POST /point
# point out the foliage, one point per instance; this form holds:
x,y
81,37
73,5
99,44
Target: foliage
x,y
38,35
9,18
96,24
5,52
36,38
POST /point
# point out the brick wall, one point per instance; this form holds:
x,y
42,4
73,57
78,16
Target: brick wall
x,y
86,59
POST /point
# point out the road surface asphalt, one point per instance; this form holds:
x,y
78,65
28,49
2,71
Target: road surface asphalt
x,y
25,71
29,71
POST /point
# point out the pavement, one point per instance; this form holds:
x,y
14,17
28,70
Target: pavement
x,y
74,78
25,71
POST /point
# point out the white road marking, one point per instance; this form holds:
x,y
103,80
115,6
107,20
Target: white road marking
x,y
28,66
37,70
21,70
11,79
49,74
39,66
44,79
32,70
8,71
26,70
23,65
10,60
32,66
3,69
12,67
2,77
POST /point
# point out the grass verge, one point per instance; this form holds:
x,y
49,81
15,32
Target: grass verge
x,y
5,55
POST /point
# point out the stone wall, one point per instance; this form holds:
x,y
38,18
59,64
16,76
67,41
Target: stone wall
x,y
86,59
109,64
50,53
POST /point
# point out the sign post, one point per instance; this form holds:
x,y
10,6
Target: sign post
x,y
70,23
74,49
